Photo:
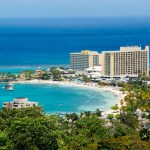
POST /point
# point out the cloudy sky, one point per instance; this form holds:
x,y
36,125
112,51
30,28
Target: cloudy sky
x,y
73,8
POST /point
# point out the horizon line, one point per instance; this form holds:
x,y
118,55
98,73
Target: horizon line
x,y
75,17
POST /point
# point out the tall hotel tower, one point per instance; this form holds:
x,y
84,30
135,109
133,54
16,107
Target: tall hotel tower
x,y
84,59
126,62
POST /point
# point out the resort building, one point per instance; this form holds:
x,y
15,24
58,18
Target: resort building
x,y
95,69
38,72
84,59
19,103
94,72
129,61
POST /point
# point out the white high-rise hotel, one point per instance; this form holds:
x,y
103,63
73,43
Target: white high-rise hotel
x,y
129,61
126,62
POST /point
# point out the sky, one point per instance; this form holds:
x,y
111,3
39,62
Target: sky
x,y
73,8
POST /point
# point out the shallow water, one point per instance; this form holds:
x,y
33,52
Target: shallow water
x,y
61,98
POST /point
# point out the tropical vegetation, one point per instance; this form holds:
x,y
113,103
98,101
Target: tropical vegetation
x,y
32,129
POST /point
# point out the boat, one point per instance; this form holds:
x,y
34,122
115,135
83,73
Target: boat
x,y
9,87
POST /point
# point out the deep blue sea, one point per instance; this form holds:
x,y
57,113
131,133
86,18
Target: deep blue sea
x,y
43,42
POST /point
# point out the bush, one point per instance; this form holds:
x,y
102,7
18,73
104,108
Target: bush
x,y
115,107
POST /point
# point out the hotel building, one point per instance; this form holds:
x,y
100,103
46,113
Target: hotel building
x,y
20,102
84,59
129,61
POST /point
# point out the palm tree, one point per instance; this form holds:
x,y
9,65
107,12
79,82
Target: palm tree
x,y
87,113
67,116
45,76
2,74
56,74
98,112
29,74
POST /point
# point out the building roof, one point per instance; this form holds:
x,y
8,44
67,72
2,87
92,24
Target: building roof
x,y
96,68
86,52
127,48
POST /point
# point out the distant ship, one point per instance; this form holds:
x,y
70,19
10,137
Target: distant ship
x,y
9,87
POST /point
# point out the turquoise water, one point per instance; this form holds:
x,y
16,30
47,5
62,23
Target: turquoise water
x,y
18,68
61,98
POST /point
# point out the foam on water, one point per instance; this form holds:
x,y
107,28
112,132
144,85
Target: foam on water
x,y
101,100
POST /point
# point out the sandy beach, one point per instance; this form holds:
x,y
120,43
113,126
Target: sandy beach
x,y
114,90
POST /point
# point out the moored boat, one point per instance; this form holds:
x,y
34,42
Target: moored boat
x,y
9,87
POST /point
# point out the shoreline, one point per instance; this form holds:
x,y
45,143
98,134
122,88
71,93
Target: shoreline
x,y
92,86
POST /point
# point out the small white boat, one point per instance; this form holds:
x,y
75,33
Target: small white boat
x,y
9,87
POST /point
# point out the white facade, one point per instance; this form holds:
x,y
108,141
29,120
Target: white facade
x,y
94,72
19,103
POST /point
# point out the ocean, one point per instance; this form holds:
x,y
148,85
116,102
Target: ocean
x,y
61,98
25,43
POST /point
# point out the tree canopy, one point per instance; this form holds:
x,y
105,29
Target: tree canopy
x,y
31,128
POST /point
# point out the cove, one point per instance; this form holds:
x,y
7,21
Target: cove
x,y
61,98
